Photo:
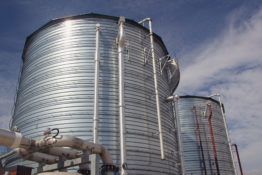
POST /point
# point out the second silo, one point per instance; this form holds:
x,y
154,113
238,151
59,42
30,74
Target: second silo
x,y
57,89
204,145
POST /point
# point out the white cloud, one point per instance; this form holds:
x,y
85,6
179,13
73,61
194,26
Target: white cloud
x,y
232,66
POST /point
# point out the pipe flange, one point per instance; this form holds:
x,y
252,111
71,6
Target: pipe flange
x,y
109,168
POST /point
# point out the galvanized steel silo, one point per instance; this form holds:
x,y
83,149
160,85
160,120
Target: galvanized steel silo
x,y
56,89
203,139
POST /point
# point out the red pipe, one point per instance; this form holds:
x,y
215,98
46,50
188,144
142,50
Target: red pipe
x,y
200,140
238,158
212,137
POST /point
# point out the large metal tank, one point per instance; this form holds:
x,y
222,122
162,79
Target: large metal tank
x,y
203,140
56,89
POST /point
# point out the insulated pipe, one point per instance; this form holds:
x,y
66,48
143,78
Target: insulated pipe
x,y
200,141
180,146
60,151
212,137
36,156
238,159
96,87
14,139
156,87
77,143
226,128
121,44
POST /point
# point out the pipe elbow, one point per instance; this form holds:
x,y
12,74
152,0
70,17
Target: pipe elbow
x,y
106,157
121,34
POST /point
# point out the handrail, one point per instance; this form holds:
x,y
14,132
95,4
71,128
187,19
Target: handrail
x,y
200,140
212,137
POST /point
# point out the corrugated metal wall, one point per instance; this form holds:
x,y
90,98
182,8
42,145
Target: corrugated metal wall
x,y
194,161
56,90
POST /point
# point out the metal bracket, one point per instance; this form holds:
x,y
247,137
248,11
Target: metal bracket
x,y
165,58
146,55
127,49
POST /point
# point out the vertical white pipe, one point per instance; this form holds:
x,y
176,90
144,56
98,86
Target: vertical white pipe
x,y
156,91
94,159
96,87
228,138
121,44
180,145
156,86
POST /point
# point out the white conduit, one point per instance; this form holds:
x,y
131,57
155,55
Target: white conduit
x,y
96,87
156,87
180,146
121,44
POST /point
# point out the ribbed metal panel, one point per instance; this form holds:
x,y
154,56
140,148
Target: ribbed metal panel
x,y
56,90
190,140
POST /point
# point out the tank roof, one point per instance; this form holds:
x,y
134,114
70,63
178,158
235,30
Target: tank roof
x,y
90,15
201,97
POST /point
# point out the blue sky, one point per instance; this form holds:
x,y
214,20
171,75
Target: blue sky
x,y
218,44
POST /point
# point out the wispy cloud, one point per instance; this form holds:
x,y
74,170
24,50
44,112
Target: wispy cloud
x,y
231,64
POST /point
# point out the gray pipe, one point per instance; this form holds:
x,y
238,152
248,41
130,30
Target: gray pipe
x,y
36,156
60,151
14,139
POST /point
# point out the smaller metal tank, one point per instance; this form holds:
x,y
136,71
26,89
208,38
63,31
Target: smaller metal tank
x,y
203,140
